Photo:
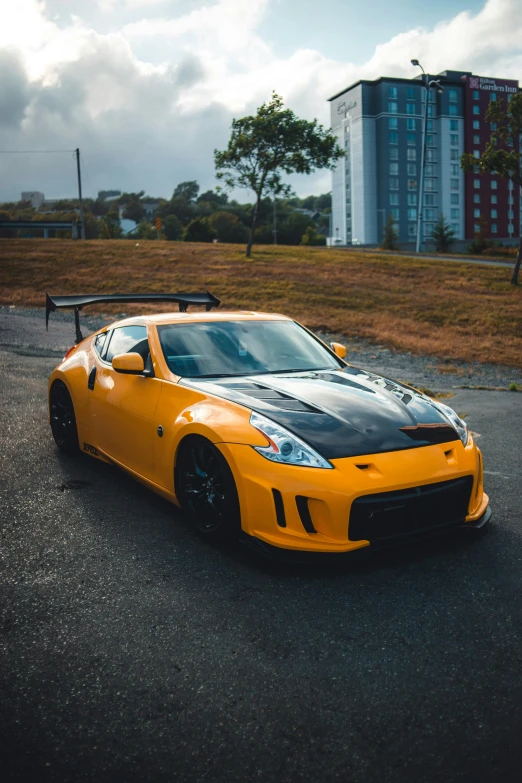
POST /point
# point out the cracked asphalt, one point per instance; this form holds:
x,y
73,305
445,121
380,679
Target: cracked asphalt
x,y
132,651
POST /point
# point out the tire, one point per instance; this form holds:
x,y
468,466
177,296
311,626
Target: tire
x,y
206,490
63,420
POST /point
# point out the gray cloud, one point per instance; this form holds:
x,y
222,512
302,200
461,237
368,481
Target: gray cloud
x,y
14,90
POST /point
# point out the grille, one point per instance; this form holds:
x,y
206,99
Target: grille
x,y
387,516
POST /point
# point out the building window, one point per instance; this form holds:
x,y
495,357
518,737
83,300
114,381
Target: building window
x,y
429,214
510,141
492,96
429,184
392,107
412,214
510,184
454,184
429,199
476,109
430,156
392,92
429,169
494,213
394,168
493,184
394,183
454,198
476,139
476,153
476,183
476,198
455,170
412,230
476,95
412,184
410,108
494,228
430,110
428,230
493,126
452,109
429,126
453,96
411,138
393,137
454,214
393,123
394,153
411,153
476,228
412,199
510,214
454,139
476,213
429,139
476,124
454,154
411,124
493,198
510,228
412,170
410,93
455,228
394,198
394,212
454,125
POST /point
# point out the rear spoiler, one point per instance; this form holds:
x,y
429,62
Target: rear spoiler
x,y
53,303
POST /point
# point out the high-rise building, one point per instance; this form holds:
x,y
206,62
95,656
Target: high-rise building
x,y
380,123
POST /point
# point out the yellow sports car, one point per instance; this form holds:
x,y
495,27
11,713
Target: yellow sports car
x,y
258,429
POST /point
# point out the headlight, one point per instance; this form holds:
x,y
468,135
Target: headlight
x,y
455,421
285,447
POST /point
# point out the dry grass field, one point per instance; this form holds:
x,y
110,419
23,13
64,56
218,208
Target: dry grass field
x,y
453,311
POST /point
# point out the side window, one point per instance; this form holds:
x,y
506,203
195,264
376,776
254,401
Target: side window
x,y
128,339
99,343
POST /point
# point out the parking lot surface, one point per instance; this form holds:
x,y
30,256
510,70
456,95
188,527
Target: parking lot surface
x,y
130,650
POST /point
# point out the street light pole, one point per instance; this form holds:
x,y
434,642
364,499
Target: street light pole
x,y
82,217
420,206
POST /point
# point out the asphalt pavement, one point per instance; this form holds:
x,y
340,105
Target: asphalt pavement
x,y
132,651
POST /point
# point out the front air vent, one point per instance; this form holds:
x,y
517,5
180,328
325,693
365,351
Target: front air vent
x,y
304,513
279,508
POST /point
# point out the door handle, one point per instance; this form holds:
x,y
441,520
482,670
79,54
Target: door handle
x,y
92,378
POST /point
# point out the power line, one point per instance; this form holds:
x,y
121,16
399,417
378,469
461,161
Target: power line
x,y
32,152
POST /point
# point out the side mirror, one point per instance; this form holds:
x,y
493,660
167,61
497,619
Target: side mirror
x,y
128,364
339,349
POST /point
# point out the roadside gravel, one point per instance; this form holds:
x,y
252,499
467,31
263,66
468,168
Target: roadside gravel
x,y
22,331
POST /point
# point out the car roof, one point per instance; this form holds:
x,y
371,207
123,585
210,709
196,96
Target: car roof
x,y
159,319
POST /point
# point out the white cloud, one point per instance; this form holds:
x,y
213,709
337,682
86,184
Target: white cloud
x,y
144,123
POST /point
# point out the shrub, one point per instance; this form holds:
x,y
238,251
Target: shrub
x,y
172,228
312,237
199,230
228,227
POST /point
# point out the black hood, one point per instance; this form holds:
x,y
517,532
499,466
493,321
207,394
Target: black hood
x,y
340,413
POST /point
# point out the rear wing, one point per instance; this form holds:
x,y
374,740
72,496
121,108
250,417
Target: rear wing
x,y
53,303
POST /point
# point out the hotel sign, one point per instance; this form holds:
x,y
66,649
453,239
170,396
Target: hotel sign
x,y
480,83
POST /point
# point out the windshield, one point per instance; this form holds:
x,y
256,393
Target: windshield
x,y
213,348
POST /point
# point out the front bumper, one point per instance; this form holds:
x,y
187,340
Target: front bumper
x,y
265,488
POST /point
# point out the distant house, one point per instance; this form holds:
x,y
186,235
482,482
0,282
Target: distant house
x,y
35,197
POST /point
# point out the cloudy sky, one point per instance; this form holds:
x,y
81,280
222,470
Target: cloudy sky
x,y
147,88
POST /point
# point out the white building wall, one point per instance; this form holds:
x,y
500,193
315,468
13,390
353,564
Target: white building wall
x,y
446,175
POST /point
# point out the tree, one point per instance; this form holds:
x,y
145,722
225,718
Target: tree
x,y
228,227
442,234
312,237
198,230
290,231
188,190
172,228
502,153
273,142
133,210
389,236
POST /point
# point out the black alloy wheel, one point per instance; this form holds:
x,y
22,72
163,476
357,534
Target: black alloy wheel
x,y
206,489
63,420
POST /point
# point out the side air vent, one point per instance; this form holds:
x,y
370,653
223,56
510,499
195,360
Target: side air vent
x,y
279,508
304,513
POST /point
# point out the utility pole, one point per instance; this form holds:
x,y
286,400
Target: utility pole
x,y
275,221
82,220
